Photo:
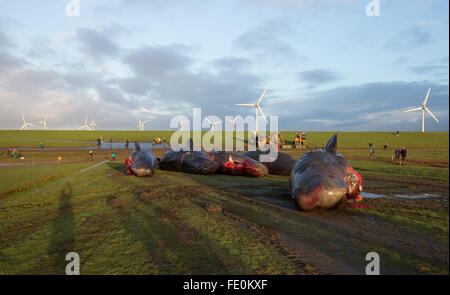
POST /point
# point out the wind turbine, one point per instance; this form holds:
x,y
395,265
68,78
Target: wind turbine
x,y
141,124
86,125
180,123
212,124
92,125
44,123
25,124
258,108
424,108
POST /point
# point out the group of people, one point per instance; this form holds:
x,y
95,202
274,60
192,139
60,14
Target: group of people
x,y
91,156
12,152
399,154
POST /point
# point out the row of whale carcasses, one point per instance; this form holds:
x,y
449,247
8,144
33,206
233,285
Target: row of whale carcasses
x,y
320,179
144,163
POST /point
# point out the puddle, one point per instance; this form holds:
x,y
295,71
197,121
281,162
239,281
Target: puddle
x,y
372,196
104,146
421,196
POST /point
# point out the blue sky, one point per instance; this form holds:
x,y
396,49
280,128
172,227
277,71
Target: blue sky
x,y
329,65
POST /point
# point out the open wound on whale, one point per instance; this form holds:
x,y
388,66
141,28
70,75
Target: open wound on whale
x,y
235,167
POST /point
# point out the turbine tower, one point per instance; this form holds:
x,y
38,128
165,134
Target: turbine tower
x,y
141,124
258,108
86,125
92,125
44,123
424,108
25,124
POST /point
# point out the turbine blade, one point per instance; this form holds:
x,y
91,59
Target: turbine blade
x,y
431,114
426,98
245,104
262,113
262,95
416,109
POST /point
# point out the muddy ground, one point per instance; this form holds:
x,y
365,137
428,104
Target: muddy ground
x,y
401,230
409,234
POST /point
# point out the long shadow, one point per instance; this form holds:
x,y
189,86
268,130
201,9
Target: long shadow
x,y
212,265
62,241
262,189
118,166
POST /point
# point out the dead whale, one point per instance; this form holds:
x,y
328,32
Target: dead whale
x,y
197,162
238,164
281,166
323,179
141,162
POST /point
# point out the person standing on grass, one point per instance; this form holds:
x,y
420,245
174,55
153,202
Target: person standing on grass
x,y
371,151
403,152
91,155
59,160
126,144
113,156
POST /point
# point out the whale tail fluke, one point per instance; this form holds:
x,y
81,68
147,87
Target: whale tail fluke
x,y
332,144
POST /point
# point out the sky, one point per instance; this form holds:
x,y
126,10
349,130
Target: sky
x,y
328,65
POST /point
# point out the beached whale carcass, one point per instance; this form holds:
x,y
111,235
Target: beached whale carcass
x,y
238,164
282,165
323,179
141,162
197,162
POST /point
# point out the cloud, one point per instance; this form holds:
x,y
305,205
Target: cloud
x,y
4,41
266,43
429,69
437,68
157,61
372,107
410,38
318,77
99,43
401,61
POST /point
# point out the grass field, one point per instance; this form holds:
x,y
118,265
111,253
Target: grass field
x,y
177,223
346,139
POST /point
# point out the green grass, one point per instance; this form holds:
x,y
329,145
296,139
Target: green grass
x,y
20,178
407,170
177,223
345,139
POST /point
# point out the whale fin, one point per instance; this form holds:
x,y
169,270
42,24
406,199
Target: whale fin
x,y
137,145
332,144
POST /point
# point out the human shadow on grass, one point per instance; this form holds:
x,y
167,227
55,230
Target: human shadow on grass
x,y
62,241
162,236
